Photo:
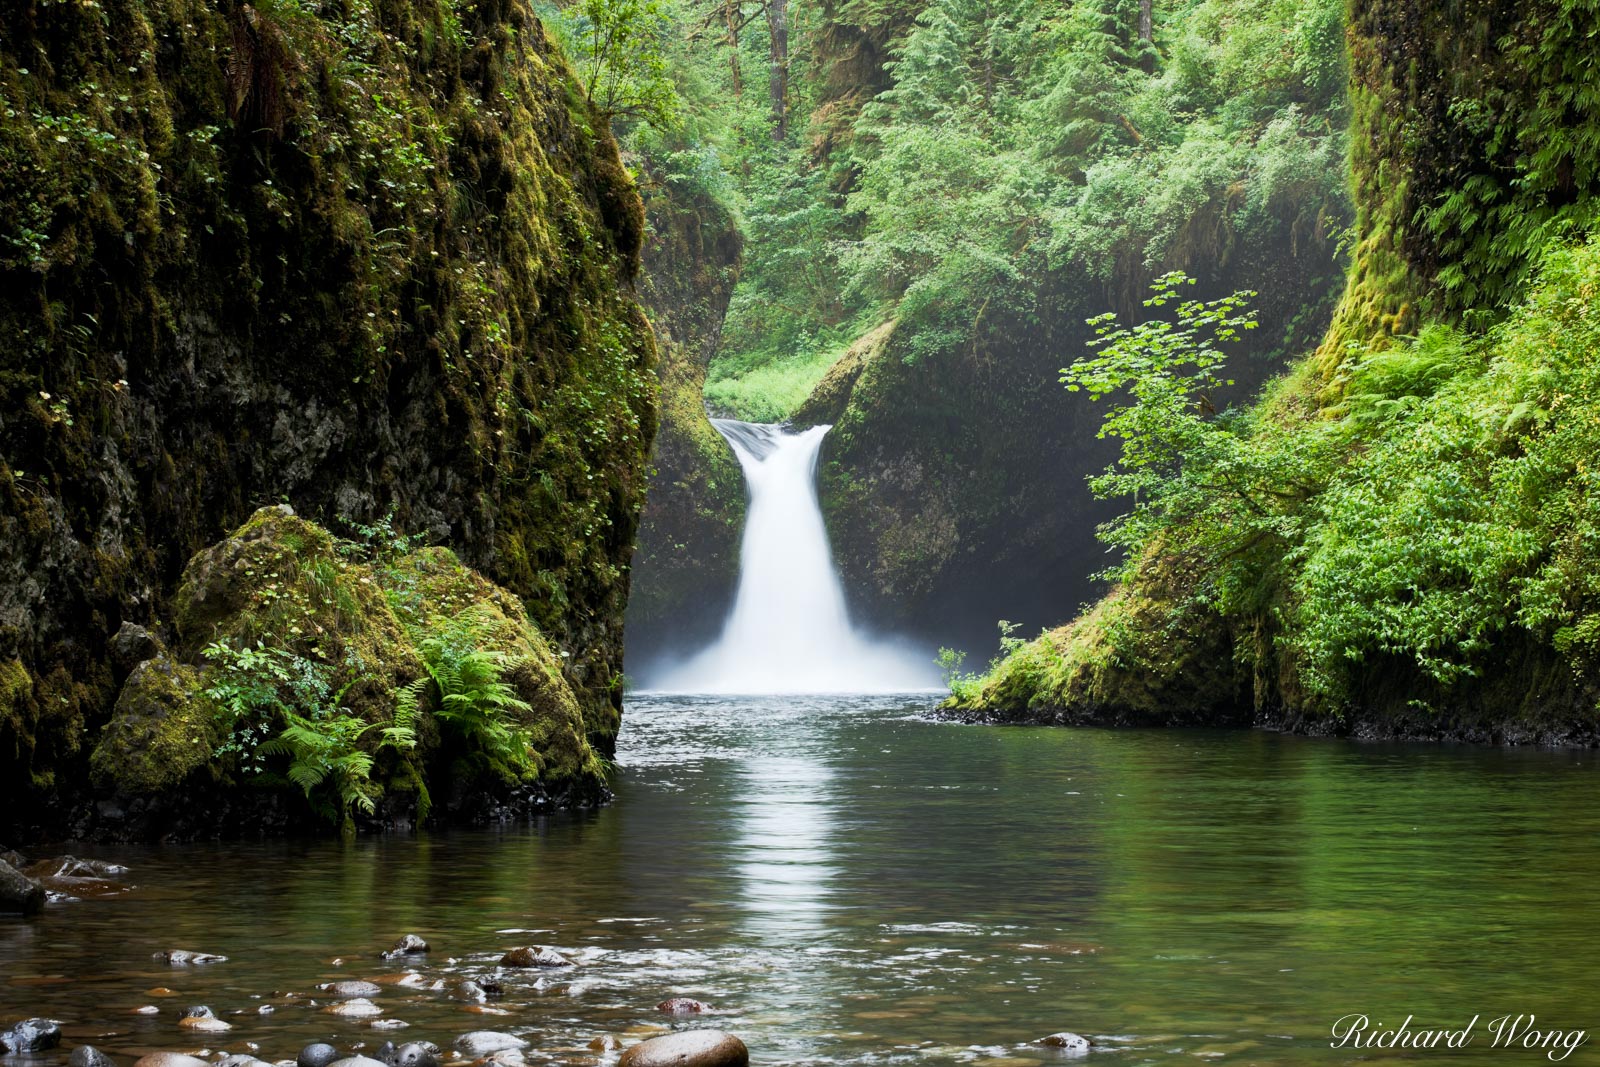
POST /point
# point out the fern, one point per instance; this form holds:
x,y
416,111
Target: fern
x,y
471,697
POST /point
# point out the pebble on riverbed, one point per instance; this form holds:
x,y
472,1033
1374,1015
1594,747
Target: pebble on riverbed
x,y
688,1048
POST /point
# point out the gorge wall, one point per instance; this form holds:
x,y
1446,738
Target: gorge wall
x,y
368,260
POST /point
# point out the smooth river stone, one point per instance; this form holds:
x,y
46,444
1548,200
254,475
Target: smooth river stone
x,y
204,1019
688,1048
416,1054
351,989
358,1061
356,1008
316,1054
170,1059
534,956
483,1042
1066,1041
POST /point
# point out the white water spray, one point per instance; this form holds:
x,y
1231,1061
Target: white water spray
x,y
789,631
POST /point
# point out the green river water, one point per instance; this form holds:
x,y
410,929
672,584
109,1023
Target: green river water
x,y
846,882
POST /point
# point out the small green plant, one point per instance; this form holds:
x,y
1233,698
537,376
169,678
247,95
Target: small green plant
x,y
471,698
326,759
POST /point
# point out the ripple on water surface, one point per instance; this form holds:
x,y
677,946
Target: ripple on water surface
x,y
841,881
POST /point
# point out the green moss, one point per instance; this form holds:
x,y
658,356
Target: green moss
x,y
163,730
362,258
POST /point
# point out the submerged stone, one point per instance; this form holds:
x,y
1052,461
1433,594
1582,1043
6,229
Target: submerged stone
x,y
182,957
534,956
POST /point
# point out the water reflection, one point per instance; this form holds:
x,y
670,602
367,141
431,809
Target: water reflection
x,y
849,884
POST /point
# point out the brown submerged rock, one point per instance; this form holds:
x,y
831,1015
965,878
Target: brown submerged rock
x,y
534,956
682,1006
691,1048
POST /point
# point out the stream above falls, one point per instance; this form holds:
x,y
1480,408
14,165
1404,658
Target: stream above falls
x,y
846,882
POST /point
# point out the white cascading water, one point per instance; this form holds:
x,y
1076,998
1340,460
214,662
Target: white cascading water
x,y
789,631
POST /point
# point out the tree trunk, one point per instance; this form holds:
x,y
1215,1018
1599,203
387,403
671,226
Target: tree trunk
x,y
730,12
1146,20
778,32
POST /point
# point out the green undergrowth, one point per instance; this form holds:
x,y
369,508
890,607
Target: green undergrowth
x,y
1446,509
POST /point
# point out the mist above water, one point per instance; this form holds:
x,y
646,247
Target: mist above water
x,y
789,631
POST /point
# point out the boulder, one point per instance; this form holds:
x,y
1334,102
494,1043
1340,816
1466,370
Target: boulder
x,y
688,1048
534,956
18,892
131,645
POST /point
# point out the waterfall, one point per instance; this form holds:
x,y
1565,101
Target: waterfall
x,y
789,630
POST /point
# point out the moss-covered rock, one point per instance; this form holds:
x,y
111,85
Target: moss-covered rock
x,y
163,730
344,629
688,557
367,259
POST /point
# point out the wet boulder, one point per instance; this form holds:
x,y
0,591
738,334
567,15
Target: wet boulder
x,y
1066,1041
688,1048
534,956
31,1035
682,1006
316,1054
486,1042
18,892
89,1056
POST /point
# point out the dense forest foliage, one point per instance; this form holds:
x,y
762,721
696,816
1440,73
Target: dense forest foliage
x,y
934,197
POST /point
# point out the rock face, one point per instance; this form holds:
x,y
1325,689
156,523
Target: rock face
x,y
255,282
690,1048
688,557
18,892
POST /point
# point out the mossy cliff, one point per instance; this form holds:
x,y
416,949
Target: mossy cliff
x,y
362,257
1404,540
688,557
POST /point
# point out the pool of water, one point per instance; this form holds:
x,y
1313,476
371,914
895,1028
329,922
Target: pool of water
x,y
846,882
